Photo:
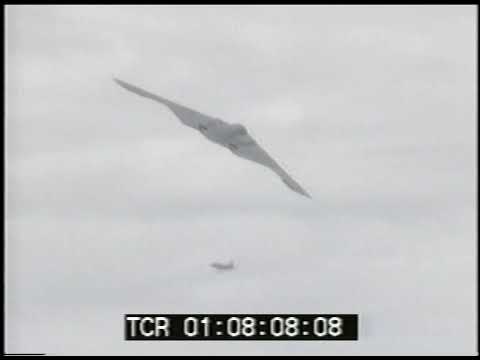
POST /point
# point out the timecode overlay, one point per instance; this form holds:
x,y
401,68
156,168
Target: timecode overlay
x,y
241,327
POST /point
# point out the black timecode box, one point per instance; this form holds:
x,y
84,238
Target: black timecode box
x,y
241,327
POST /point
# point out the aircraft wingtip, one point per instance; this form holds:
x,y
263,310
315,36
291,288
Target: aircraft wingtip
x,y
295,187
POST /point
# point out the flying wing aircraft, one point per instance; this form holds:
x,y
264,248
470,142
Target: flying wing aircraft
x,y
235,137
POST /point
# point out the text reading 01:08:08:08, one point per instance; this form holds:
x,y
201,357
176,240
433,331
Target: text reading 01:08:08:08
x,y
241,327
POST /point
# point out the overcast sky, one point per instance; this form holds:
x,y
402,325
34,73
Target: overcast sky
x,y
115,207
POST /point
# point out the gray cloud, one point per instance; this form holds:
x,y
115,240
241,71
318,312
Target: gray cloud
x,y
115,207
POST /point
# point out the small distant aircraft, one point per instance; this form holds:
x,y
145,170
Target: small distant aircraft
x,y
223,266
